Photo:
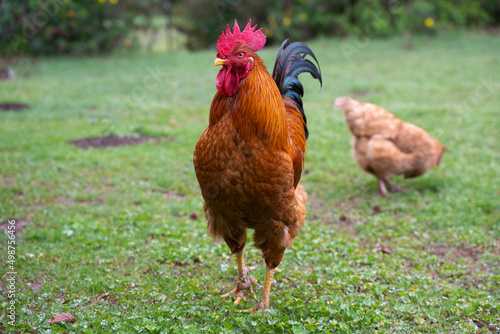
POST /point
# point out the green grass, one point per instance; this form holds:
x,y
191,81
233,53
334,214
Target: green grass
x,y
110,238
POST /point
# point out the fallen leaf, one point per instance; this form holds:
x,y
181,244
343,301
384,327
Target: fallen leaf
x,y
376,210
383,249
193,216
60,318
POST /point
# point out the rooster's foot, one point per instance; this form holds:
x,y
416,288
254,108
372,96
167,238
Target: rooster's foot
x,y
244,285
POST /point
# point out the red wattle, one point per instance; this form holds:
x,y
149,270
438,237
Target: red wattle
x,y
227,81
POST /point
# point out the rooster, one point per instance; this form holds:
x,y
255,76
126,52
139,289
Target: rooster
x,y
249,159
385,146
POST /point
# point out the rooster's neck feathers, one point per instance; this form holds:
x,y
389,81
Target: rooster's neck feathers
x,y
270,108
257,108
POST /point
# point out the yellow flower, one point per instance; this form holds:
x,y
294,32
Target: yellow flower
x,y
303,16
268,32
101,1
127,43
271,20
429,22
113,2
287,21
70,13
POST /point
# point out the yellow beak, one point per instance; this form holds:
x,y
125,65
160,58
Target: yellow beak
x,y
218,62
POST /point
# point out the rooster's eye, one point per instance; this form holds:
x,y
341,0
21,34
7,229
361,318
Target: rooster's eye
x,y
241,54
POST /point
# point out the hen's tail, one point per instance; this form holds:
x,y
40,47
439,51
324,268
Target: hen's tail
x,y
290,62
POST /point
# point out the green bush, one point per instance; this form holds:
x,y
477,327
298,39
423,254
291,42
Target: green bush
x,y
492,7
67,27
203,21
428,16
94,26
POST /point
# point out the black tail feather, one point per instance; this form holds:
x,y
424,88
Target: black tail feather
x,y
290,62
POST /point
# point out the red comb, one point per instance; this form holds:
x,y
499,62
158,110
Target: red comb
x,y
255,40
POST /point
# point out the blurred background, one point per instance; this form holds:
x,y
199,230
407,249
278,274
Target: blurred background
x,y
48,27
103,101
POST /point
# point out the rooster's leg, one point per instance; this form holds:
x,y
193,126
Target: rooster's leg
x,y
381,187
264,299
244,282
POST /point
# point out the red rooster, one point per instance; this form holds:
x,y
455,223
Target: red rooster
x,y
249,159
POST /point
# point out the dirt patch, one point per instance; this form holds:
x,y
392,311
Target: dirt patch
x,y
109,141
35,286
453,252
100,201
494,30
491,328
180,264
6,181
68,202
13,106
183,264
19,223
188,269
468,256
170,195
343,215
104,298
6,73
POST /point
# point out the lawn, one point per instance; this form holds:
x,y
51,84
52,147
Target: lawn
x,y
117,237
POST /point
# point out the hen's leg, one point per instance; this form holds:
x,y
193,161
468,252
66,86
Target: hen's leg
x,y
393,186
381,187
244,282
